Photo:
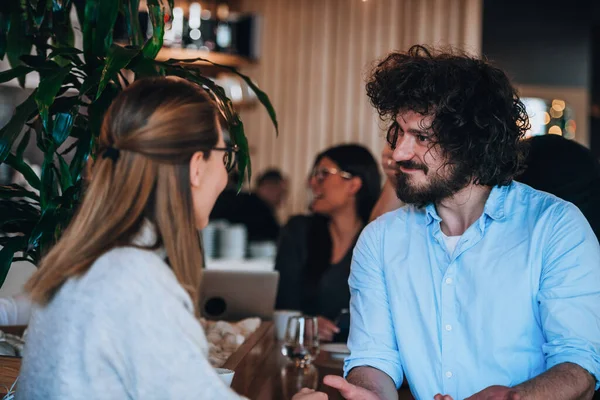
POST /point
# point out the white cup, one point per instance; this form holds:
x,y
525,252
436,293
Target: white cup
x,y
233,241
226,375
280,317
263,250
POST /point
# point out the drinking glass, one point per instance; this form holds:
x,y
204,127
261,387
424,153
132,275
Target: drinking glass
x,y
301,341
294,378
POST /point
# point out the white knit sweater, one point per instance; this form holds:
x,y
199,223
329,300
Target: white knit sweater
x,y
124,330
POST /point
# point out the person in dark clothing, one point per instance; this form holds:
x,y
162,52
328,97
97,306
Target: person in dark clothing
x,y
272,188
567,170
257,211
315,251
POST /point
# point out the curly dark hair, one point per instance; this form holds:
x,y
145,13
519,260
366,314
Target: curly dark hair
x,y
478,118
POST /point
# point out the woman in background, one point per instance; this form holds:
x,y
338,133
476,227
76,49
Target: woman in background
x,y
315,251
116,297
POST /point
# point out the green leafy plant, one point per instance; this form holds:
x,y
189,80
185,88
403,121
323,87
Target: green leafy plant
x,y
76,87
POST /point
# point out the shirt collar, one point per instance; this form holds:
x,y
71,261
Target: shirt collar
x,y
494,205
431,214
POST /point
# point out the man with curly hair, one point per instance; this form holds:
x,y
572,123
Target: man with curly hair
x,y
480,287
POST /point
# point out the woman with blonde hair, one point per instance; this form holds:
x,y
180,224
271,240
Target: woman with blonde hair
x,y
116,297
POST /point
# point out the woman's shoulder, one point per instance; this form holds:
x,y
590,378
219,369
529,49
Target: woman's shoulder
x,y
128,275
298,221
303,222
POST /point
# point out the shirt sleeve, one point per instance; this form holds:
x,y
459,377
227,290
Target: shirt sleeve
x,y
372,341
569,294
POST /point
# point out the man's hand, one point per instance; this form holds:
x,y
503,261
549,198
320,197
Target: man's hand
x,y
309,394
327,329
490,393
348,390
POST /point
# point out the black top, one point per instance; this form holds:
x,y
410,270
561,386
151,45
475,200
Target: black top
x,y
567,170
250,210
305,283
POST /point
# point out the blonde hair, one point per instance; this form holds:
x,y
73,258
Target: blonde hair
x,y
156,125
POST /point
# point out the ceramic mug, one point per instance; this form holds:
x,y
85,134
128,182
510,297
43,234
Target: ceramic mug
x,y
280,318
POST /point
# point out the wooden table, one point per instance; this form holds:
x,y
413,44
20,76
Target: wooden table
x,y
260,369
261,373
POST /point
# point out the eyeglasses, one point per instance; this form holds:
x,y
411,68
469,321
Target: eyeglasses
x,y
321,173
230,158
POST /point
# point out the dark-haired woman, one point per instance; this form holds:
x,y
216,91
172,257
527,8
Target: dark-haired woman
x,y
315,251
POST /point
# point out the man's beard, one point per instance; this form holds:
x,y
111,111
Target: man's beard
x,y
437,189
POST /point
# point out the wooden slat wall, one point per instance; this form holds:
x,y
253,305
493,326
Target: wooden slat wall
x,y
314,56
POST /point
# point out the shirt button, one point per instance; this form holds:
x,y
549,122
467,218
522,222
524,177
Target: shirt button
x,y
448,327
448,374
448,281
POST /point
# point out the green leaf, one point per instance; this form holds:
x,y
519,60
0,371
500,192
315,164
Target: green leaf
x,y
133,23
19,210
14,190
61,5
84,146
118,58
90,83
70,39
223,102
42,141
62,34
87,18
47,91
239,137
11,131
66,180
41,15
18,71
18,42
45,227
62,51
144,67
39,63
21,166
49,189
63,123
106,16
23,144
70,197
156,12
262,96
65,55
4,24
7,254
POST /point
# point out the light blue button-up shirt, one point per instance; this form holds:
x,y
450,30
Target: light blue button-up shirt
x,y
520,294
